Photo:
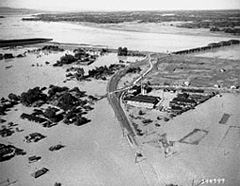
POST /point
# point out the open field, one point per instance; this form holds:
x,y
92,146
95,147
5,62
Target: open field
x,y
198,71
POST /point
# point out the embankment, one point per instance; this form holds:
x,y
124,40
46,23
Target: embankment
x,y
20,42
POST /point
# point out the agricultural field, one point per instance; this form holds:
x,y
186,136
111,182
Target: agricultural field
x,y
197,71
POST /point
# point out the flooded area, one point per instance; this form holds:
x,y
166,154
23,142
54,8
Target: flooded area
x,y
97,158
216,155
74,33
202,147
98,154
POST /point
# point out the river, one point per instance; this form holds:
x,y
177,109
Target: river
x,y
12,27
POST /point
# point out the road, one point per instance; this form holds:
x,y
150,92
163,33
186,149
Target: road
x,y
145,73
114,98
136,81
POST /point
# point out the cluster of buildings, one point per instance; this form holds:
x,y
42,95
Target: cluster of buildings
x,y
188,99
185,99
182,102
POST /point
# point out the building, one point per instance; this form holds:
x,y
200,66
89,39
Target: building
x,y
135,90
40,172
142,101
6,152
198,91
182,100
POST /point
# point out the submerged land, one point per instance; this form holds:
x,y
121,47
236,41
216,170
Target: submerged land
x,y
75,114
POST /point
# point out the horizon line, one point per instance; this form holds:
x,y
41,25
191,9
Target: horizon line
x,y
114,10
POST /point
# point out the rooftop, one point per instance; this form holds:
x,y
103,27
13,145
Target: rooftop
x,y
144,98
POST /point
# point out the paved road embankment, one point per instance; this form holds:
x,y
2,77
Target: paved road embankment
x,y
114,98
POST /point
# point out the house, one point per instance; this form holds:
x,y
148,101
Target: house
x,y
143,101
183,102
32,159
39,172
6,152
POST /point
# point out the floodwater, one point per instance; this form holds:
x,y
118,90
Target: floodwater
x,y
95,154
12,27
217,154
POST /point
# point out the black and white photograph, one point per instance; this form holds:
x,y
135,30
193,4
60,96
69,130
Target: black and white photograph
x,y
120,93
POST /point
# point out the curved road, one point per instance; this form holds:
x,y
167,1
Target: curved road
x,y
114,98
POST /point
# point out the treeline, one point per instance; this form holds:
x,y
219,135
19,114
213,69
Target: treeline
x,y
230,30
219,16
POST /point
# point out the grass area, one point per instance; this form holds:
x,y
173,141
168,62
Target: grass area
x,y
199,71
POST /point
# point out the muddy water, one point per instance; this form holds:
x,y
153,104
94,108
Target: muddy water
x,y
95,154
73,33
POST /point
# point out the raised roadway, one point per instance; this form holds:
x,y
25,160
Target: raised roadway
x,y
114,98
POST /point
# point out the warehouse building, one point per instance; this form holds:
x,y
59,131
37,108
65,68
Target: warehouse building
x,y
142,101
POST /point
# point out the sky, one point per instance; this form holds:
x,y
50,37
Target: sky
x,y
108,5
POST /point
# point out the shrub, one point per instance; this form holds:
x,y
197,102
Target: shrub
x,y
31,96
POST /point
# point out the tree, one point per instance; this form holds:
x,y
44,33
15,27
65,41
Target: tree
x,y
50,112
31,96
122,51
67,59
57,184
119,51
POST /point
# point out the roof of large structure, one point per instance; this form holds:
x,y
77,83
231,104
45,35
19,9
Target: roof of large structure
x,y
183,100
193,90
143,98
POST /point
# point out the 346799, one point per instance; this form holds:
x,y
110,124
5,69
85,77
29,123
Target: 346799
x,y
213,181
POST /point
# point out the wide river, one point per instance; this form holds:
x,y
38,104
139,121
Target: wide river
x,y
12,27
